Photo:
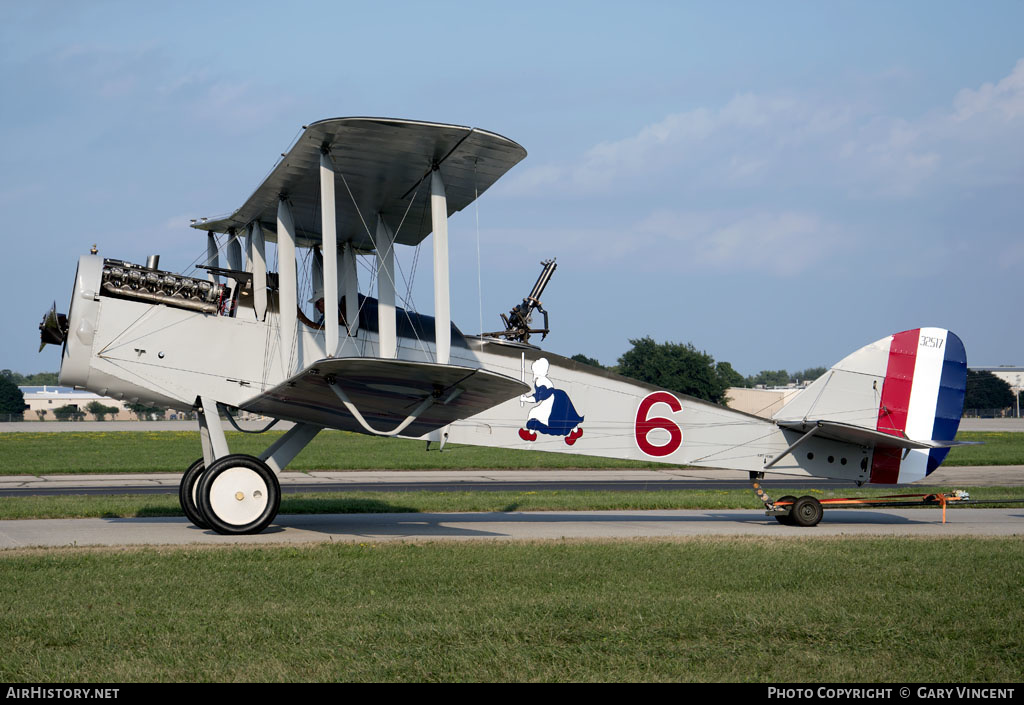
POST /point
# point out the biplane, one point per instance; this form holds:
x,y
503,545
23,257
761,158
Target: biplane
x,y
351,191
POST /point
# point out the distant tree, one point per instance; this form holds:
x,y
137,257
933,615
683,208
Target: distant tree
x,y
808,375
12,401
16,378
37,379
770,378
41,413
144,411
40,379
587,360
68,412
100,410
673,366
986,391
728,376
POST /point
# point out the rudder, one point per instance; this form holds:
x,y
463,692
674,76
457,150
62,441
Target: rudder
x,y
909,385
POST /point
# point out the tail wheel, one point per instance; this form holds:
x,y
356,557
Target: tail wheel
x,y
806,511
187,494
239,494
786,519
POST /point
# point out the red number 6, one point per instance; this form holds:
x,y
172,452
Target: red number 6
x,y
645,425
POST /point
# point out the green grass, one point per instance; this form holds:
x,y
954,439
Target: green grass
x,y
148,505
874,610
173,451
999,448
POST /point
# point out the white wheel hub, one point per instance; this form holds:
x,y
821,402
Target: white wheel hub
x,y
238,496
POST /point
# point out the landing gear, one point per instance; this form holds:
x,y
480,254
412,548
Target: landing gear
x,y
790,511
806,511
187,494
238,494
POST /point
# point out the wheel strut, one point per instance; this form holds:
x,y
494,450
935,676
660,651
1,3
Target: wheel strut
x,y
769,505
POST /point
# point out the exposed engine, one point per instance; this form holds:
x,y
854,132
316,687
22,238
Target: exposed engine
x,y
133,281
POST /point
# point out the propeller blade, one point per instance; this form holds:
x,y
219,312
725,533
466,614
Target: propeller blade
x,y
53,329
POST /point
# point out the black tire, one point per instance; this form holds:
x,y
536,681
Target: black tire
x,y
806,511
252,484
786,518
187,494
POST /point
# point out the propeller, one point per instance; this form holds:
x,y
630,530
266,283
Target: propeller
x,y
53,329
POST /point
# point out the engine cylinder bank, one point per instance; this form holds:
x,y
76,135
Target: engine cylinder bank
x,y
133,281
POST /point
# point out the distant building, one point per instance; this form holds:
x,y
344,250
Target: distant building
x,y
1011,374
760,401
766,402
47,398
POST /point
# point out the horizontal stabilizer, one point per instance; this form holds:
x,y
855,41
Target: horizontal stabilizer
x,y
859,435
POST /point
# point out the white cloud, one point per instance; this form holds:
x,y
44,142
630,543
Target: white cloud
x,y
773,242
732,142
776,243
783,184
1005,100
143,81
798,141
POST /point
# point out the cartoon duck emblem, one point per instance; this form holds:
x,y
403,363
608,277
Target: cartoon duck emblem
x,y
554,414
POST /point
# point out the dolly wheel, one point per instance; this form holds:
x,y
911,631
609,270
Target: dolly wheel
x,y
786,519
806,511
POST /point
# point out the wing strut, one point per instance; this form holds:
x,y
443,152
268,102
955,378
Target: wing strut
x,y
329,241
287,290
793,446
442,307
384,243
424,405
258,260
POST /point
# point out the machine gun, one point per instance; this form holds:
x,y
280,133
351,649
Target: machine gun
x,y
518,321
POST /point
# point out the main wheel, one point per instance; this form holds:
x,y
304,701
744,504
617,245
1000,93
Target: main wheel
x,y
239,494
806,511
187,494
786,519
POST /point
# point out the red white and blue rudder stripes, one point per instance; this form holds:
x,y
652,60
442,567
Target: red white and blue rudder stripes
x,y
921,398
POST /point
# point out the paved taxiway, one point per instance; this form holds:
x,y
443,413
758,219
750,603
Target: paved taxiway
x,y
354,528
412,480
497,526
299,529
477,480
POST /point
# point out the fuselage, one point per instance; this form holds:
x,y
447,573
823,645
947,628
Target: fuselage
x,y
140,348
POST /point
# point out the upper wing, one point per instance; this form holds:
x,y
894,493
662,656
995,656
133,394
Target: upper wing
x,y
382,165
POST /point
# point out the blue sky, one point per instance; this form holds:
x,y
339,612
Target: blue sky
x,y
777,183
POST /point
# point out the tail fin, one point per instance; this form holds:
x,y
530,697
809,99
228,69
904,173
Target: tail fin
x,y
909,385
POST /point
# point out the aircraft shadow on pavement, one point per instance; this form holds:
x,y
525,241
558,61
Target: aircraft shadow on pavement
x,y
390,522
454,524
